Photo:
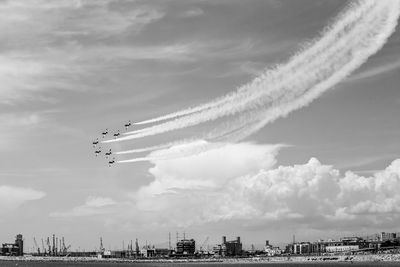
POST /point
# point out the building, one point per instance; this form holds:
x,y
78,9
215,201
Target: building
x,y
301,248
387,236
271,250
342,248
229,248
186,247
14,249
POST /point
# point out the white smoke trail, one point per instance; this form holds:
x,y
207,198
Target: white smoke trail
x,y
304,70
347,49
158,147
186,149
251,122
388,20
291,64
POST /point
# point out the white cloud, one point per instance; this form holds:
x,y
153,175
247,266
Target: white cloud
x,y
92,206
239,182
12,197
48,44
14,125
44,20
194,12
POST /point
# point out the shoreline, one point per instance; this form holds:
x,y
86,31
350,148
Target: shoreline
x,y
290,259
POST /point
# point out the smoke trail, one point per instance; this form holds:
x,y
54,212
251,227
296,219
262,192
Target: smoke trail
x,y
158,147
231,96
303,71
186,149
357,34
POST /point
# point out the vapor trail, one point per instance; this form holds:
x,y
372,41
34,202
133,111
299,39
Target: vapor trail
x,y
152,148
359,32
232,96
301,72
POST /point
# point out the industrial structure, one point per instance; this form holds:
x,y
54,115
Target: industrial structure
x,y
229,248
13,249
186,247
55,246
352,244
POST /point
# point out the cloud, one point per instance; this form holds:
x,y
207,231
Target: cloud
x,y
194,12
47,21
14,125
92,206
240,182
12,197
54,45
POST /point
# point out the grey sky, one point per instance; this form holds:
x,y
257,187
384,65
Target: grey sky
x,y
70,69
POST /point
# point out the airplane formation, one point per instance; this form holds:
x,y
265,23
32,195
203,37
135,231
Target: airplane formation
x,y
108,154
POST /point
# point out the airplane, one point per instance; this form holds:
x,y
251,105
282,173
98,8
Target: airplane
x,y
97,152
108,153
116,134
105,133
111,162
95,142
128,125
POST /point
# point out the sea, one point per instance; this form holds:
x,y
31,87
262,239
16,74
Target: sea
x,y
193,264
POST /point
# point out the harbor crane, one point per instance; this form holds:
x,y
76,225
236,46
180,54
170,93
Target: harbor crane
x,y
43,247
202,247
36,248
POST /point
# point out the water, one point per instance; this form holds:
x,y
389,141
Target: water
x,y
218,264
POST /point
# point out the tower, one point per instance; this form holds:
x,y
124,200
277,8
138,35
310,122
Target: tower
x,y
20,243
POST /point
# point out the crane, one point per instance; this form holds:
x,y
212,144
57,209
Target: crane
x,y
137,247
43,247
101,245
36,245
49,245
202,250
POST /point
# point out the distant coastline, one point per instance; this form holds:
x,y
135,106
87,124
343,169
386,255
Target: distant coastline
x,y
282,259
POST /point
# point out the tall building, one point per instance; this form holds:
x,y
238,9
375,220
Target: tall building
x,y
20,244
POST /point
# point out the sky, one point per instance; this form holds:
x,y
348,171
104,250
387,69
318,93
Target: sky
x,y
71,69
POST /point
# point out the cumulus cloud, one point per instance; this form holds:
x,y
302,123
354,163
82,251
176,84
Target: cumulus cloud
x,y
241,182
12,197
92,206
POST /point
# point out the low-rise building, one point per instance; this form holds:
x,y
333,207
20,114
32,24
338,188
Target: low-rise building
x,y
271,250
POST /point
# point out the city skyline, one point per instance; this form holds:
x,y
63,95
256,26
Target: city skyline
x,y
72,69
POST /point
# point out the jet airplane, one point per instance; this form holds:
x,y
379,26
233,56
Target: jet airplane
x,y
105,133
108,153
127,125
98,151
95,142
111,162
